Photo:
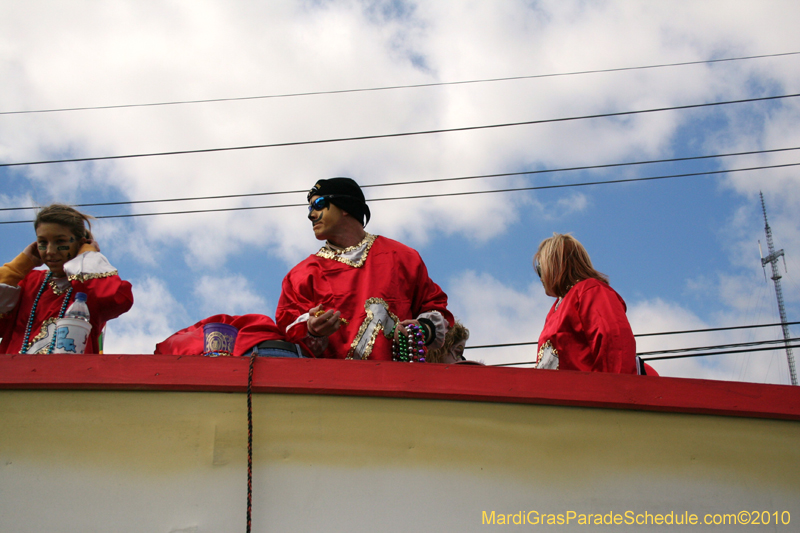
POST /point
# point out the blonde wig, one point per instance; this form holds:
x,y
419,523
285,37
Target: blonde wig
x,y
562,262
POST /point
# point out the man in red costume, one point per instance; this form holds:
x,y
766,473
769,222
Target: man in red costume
x,y
359,292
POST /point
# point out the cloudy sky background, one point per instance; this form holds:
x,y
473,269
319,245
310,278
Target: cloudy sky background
x,y
682,252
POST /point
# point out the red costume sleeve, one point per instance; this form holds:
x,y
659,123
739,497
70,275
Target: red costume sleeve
x,y
607,331
429,296
297,297
107,297
588,331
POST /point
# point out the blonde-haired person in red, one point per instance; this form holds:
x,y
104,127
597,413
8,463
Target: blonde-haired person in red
x,y
31,301
586,329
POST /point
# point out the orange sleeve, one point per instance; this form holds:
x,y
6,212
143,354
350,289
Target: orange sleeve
x,y
12,272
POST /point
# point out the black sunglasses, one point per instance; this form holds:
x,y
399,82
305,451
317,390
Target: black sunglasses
x,y
538,268
322,202
319,204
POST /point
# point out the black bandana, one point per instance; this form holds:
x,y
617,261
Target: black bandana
x,y
345,194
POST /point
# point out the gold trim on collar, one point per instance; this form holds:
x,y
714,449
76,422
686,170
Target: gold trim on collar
x,y
56,290
96,275
339,255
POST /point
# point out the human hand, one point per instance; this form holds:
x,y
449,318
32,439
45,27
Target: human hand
x,y
323,324
401,328
90,240
32,251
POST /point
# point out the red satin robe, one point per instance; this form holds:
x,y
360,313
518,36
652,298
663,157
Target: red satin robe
x,y
588,331
389,281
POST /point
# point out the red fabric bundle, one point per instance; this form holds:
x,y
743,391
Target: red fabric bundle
x,y
252,330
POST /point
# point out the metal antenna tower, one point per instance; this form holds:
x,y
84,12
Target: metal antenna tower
x,y
772,259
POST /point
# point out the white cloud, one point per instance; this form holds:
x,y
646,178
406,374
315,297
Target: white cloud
x,y
187,50
497,314
571,204
155,315
230,295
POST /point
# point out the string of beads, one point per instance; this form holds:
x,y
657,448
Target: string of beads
x,y
32,317
409,348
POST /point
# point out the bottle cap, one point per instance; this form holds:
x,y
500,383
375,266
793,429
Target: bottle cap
x,y
80,296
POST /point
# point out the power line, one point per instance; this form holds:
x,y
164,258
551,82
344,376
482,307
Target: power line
x,y
714,329
728,328
440,195
724,352
395,87
705,330
754,346
398,135
432,180
718,346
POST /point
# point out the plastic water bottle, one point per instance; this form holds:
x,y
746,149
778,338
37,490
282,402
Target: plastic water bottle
x,y
72,331
78,309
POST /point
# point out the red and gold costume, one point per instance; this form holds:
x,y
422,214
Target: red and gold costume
x,y
587,330
374,284
108,297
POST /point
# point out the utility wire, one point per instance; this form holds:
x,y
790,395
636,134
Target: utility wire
x,y
440,195
394,87
432,180
401,134
716,329
718,346
728,328
724,352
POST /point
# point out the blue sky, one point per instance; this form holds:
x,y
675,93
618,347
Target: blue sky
x,y
682,252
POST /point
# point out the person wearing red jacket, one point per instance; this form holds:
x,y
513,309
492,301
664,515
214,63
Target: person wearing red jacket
x,y
359,293
31,301
586,329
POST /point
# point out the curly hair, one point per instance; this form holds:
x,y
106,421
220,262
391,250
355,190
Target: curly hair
x,y
66,216
454,335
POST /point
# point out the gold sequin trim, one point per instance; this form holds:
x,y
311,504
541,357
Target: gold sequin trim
x,y
43,333
365,324
97,275
544,347
56,290
338,255
322,311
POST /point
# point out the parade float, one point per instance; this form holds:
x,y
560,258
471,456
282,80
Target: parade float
x,y
159,443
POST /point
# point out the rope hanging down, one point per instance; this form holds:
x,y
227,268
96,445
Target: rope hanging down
x,y
253,357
